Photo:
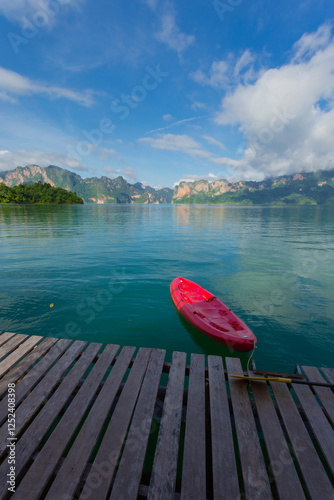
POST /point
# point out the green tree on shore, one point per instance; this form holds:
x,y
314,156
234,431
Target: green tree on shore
x,y
37,193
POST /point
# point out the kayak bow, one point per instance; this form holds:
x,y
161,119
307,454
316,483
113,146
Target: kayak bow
x,y
210,315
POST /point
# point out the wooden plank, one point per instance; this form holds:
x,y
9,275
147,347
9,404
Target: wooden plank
x,y
69,475
193,483
32,404
11,345
314,475
33,436
23,366
129,472
29,381
224,468
162,485
102,471
329,372
21,351
325,394
252,462
321,427
35,480
4,337
281,462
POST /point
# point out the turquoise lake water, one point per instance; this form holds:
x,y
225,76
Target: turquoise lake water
x,y
106,270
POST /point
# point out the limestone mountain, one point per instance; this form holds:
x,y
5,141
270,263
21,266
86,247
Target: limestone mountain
x,y
312,188
91,190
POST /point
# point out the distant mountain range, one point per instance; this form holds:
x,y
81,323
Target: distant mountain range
x,y
91,190
310,188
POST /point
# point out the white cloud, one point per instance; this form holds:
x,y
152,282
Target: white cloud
x,y
244,61
179,122
43,12
127,172
217,78
222,74
171,142
152,4
310,43
7,98
171,35
52,145
243,168
213,141
110,170
20,158
106,153
287,115
13,84
198,105
167,117
197,177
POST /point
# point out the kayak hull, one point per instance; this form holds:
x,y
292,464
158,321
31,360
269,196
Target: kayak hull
x,y
210,315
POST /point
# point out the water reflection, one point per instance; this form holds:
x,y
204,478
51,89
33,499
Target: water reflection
x,y
40,221
273,266
209,346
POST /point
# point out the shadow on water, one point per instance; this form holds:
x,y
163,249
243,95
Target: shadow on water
x,y
209,346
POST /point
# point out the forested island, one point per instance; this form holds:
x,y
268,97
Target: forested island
x,y
37,193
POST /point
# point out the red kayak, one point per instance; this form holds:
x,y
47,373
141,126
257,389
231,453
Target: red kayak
x,y
210,316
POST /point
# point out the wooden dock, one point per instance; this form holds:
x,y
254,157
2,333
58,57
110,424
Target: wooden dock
x,y
104,422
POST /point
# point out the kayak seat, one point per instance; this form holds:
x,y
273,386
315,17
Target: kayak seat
x,y
199,314
218,327
236,325
208,297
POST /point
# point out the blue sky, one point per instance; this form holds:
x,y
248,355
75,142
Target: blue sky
x,y
161,91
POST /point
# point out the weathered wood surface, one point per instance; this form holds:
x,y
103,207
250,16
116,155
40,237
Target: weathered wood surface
x,y
103,468
12,343
163,479
314,474
329,372
72,468
325,395
4,337
101,423
17,372
46,461
26,384
224,466
38,395
321,427
193,484
18,353
129,472
39,426
281,463
253,466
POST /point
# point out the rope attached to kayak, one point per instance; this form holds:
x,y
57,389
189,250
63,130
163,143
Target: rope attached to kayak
x,y
249,359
